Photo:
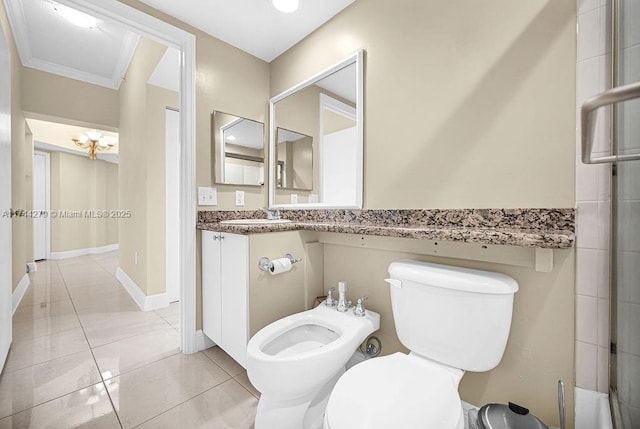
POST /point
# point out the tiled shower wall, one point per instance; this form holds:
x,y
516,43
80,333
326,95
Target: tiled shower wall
x,y
593,198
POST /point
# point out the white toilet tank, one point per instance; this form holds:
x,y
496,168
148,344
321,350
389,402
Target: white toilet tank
x,y
456,316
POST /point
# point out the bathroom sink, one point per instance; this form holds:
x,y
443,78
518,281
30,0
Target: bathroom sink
x,y
254,221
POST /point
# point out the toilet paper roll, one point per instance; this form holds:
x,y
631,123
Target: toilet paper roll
x,y
281,265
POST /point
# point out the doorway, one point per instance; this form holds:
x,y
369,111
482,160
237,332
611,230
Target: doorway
x,y
167,34
41,205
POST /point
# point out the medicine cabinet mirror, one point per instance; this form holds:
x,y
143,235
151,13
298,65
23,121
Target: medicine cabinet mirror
x,y
238,150
315,142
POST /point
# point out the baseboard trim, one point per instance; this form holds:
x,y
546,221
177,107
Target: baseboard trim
x,y
146,303
202,341
81,252
20,290
32,267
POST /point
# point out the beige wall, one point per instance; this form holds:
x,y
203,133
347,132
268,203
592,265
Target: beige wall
x,y
228,80
21,166
274,297
59,99
79,184
477,99
540,347
467,105
158,99
141,169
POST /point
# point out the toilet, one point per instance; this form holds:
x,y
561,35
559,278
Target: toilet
x,y
294,362
452,320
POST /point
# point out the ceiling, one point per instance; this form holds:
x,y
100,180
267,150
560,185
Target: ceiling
x,y
245,132
47,41
101,55
254,26
53,136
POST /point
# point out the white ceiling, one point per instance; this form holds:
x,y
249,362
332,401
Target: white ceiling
x,y
48,42
167,72
342,83
254,26
246,132
53,136
101,55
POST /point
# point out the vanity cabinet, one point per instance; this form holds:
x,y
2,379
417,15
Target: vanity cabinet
x,y
225,292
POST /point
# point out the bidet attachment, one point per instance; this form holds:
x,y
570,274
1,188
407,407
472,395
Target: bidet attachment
x,y
343,304
330,301
360,311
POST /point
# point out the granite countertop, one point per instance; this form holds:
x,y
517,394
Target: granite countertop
x,y
543,228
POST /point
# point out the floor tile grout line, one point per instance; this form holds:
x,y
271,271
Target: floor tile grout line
x,y
163,318
243,386
149,364
19,340
124,338
53,399
217,364
113,407
44,362
5,370
187,400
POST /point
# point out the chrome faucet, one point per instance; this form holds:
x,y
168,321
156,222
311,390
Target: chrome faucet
x,y
360,311
330,301
271,214
343,304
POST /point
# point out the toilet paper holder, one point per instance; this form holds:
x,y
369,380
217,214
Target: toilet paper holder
x,y
265,263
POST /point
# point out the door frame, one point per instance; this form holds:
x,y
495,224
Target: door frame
x,y
6,257
172,233
47,203
165,33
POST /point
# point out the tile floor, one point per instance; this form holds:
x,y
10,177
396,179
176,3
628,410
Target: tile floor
x,y
85,356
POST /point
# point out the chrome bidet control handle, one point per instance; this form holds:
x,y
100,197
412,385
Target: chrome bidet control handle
x,y
360,311
330,301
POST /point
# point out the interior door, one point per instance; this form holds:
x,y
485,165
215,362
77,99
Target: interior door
x,y
5,200
40,204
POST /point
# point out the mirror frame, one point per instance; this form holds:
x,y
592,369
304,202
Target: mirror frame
x,y
358,59
221,153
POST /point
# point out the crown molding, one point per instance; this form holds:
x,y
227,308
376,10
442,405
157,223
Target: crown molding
x,y
19,27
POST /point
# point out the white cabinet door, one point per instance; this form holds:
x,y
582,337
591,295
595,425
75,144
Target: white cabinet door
x,y
211,291
235,299
225,296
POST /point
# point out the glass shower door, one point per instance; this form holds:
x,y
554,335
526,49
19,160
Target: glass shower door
x,y
625,323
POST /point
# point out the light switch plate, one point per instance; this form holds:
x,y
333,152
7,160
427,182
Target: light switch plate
x,y
294,198
207,196
239,198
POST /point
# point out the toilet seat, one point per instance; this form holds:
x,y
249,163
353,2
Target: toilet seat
x,y
399,390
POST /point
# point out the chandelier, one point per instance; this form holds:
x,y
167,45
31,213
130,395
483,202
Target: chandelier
x,y
94,141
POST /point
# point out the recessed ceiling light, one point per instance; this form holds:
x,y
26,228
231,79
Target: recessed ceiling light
x,y
76,17
286,6
231,138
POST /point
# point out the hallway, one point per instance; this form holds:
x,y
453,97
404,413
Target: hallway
x,y
85,356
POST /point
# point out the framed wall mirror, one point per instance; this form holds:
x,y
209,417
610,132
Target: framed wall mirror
x,y
238,150
316,140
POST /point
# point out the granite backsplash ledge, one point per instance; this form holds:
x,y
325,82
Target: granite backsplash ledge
x,y
558,220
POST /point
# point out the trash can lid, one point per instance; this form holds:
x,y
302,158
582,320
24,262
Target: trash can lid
x,y
512,416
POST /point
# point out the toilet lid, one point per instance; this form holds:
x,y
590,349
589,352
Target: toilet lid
x,y
396,391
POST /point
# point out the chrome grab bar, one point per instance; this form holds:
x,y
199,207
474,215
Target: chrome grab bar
x,y
611,96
